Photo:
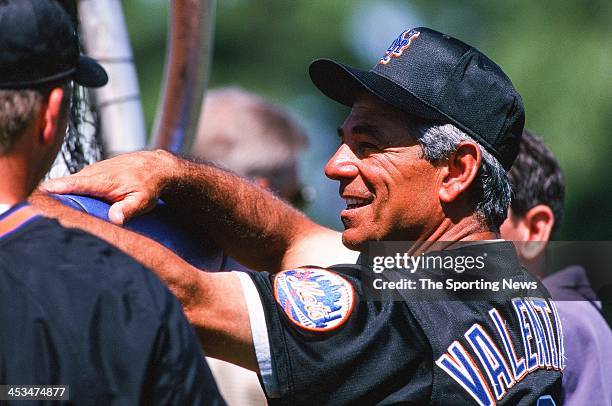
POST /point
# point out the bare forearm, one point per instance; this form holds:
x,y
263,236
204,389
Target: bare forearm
x,y
247,221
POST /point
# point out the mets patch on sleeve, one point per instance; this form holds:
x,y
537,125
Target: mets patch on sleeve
x,y
314,299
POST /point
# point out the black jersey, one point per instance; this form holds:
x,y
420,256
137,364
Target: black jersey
x,y
331,346
76,311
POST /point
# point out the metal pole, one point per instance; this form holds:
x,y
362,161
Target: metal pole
x,y
106,38
188,58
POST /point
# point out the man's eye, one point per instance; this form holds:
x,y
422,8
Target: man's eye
x,y
366,147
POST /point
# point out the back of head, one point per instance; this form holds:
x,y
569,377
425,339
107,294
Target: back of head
x,y
17,109
250,136
40,52
536,178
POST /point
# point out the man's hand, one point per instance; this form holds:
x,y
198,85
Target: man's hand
x,y
132,182
248,222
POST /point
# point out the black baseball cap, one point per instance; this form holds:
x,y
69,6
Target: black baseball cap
x,y
39,45
434,76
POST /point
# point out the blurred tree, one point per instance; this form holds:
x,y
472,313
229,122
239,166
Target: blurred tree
x,y
558,54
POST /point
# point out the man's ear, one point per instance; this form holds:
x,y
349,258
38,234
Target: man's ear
x,y
459,171
51,111
538,223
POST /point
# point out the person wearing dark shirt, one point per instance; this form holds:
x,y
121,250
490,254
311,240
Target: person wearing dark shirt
x,y
74,311
534,216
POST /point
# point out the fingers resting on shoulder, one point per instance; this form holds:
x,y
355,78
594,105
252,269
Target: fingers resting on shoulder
x,y
131,182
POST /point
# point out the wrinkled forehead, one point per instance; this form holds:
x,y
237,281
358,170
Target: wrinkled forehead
x,y
381,119
367,103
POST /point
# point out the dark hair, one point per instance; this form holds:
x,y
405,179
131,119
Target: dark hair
x,y
536,178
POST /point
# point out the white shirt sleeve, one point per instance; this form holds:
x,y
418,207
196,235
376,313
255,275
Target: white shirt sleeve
x,y
259,332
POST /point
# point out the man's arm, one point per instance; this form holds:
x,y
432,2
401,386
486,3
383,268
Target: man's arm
x,y
247,221
213,302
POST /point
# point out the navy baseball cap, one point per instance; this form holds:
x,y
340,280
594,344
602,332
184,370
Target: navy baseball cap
x,y
434,76
39,45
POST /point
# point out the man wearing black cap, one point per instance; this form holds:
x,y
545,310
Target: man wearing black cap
x,y
434,127
75,312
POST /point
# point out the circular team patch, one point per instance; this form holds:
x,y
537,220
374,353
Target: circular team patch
x,y
314,299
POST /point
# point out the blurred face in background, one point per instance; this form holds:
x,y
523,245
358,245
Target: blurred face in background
x,y
530,233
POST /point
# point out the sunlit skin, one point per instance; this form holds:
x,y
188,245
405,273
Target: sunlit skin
x,y
530,232
401,196
34,151
379,161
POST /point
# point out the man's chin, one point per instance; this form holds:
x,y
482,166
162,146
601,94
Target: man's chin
x,y
353,240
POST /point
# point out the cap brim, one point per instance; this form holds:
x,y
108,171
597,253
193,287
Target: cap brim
x,y
90,73
344,84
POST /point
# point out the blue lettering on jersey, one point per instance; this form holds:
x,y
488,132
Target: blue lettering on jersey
x,y
526,334
491,358
461,367
540,346
541,306
546,400
517,364
560,347
399,45
541,341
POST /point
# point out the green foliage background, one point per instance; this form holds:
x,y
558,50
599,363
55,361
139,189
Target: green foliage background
x,y
557,53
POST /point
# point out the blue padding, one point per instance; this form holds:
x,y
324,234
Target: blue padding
x,y
160,225
87,204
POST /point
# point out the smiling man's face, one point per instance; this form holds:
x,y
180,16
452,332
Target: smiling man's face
x,y
391,191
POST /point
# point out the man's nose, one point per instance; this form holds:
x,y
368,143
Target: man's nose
x,y
342,164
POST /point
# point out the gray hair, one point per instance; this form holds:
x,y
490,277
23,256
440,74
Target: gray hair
x,y
492,193
17,109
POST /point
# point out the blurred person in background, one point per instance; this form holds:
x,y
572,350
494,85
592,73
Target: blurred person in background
x,y
250,136
253,138
534,216
74,311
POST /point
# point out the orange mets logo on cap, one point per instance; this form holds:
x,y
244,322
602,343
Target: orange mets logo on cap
x,y
399,45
